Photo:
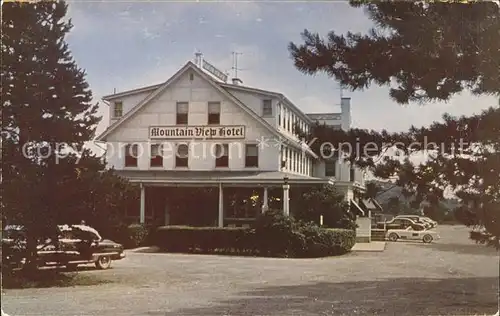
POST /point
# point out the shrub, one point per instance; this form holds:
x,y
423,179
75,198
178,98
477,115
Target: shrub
x,y
321,242
205,239
138,234
130,236
274,235
342,240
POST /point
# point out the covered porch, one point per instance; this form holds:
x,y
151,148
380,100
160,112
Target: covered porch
x,y
214,198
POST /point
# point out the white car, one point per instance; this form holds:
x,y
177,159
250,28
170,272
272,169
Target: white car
x,y
427,236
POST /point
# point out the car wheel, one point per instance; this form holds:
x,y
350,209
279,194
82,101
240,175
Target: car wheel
x,y
427,239
393,237
103,262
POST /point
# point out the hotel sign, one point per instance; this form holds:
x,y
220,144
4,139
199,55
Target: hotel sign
x,y
214,71
197,132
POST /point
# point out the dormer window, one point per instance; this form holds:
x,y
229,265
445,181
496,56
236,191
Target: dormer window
x,y
267,108
118,109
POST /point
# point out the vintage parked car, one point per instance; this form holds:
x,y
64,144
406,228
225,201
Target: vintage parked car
x,y
420,219
401,223
76,244
427,236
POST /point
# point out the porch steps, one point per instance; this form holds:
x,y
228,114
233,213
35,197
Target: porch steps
x,y
378,235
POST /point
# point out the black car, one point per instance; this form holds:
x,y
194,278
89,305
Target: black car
x,y
76,244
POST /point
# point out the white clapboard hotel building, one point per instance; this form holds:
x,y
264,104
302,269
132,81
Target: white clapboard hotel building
x,y
197,130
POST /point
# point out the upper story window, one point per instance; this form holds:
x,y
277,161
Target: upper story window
x,y
330,166
222,155
288,121
213,112
278,110
182,155
131,155
156,159
182,113
251,155
267,107
118,109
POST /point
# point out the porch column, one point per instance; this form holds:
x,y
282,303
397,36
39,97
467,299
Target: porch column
x,y
286,199
265,205
142,219
221,206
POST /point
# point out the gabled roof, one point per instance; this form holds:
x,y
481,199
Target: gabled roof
x,y
191,66
269,93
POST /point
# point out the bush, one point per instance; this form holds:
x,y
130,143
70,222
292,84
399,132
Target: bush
x,y
130,236
273,235
276,234
205,239
138,234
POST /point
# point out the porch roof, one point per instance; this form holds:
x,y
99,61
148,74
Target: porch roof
x,y
188,177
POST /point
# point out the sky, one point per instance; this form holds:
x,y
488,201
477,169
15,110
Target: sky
x,y
126,45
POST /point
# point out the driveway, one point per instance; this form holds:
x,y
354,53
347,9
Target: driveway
x,y
450,277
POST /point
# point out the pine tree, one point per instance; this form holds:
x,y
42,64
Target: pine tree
x,y
425,51
430,50
48,176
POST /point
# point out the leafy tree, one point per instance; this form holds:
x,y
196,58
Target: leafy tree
x,y
424,52
324,201
394,205
47,116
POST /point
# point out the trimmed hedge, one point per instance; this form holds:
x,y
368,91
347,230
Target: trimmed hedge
x,y
273,235
186,239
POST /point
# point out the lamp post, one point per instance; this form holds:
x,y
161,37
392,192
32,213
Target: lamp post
x,y
286,197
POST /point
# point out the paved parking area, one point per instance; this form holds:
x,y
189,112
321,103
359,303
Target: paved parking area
x,y
450,277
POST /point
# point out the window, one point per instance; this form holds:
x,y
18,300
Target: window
x,y
213,112
330,165
288,160
278,110
288,121
156,159
221,155
267,108
182,155
118,109
182,113
351,174
251,156
131,153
